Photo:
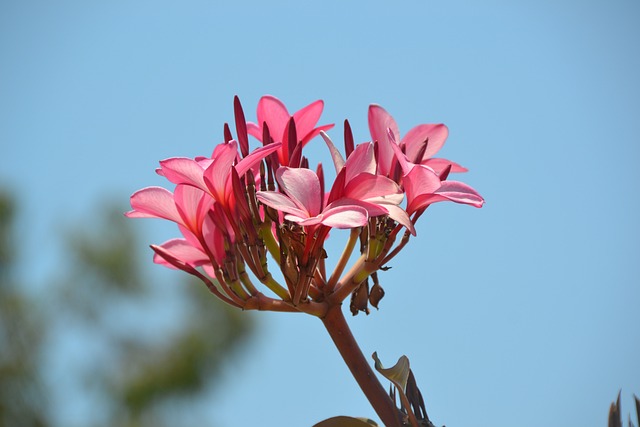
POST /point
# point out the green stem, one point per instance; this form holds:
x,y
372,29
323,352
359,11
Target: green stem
x,y
338,329
344,258
270,241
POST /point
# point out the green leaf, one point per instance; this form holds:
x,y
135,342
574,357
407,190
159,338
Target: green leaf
x,y
342,421
398,374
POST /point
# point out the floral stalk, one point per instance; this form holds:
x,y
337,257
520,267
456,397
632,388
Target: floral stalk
x,y
241,211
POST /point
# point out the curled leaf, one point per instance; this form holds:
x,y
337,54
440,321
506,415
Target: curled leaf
x,y
398,374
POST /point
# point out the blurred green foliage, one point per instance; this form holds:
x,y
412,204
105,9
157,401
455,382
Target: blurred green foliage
x,y
144,369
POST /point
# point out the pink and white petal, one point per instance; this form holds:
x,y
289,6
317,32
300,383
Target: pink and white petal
x,y
366,186
436,134
272,111
281,203
347,216
154,202
181,170
438,165
338,161
379,122
302,186
362,159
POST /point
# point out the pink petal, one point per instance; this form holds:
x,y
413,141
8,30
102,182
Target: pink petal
x,y
338,161
215,176
362,159
181,250
307,117
305,221
274,112
315,132
401,217
436,134
154,202
280,202
405,164
438,165
192,204
379,122
302,186
347,216
181,170
214,238
366,186
460,192
420,181
254,130
255,157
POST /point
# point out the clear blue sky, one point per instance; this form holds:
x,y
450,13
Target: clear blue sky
x,y
522,313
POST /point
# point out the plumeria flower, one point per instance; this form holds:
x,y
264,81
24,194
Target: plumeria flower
x,y
420,144
188,207
424,186
214,175
358,182
274,113
302,201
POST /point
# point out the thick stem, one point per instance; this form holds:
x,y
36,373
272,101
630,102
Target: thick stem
x,y
338,329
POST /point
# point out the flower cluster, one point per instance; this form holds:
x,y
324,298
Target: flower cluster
x,y
238,208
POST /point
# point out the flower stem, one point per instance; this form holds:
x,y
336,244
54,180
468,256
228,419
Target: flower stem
x,y
344,258
338,329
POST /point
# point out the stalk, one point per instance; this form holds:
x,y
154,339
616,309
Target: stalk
x,y
338,329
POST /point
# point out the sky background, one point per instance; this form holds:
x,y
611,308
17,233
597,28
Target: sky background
x,y
521,313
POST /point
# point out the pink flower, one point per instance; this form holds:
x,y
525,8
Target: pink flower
x,y
358,184
419,144
274,113
302,201
423,185
189,207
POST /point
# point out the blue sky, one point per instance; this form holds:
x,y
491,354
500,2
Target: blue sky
x,y
523,312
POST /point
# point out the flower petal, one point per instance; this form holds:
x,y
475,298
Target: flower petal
x,y
181,250
379,122
362,159
344,216
307,117
215,176
280,202
274,112
435,134
366,186
181,170
338,161
255,157
302,186
438,165
154,202
460,192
